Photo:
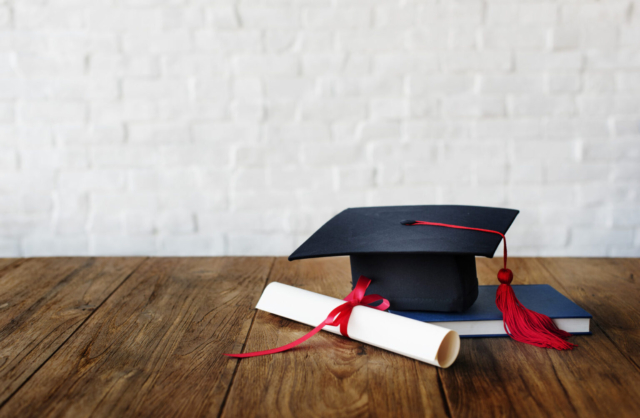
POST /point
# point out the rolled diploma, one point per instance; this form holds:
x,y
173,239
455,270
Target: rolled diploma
x,y
421,341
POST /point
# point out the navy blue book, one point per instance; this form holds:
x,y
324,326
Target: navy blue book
x,y
484,319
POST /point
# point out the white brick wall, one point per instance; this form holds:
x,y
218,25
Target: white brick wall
x,y
193,127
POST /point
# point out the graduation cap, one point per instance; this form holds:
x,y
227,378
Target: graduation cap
x,y
423,269
423,258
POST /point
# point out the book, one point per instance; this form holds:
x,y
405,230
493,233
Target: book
x,y
484,319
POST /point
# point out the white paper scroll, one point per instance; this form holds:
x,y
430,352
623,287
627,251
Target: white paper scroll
x,y
421,341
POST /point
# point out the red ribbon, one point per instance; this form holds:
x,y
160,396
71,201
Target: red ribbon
x,y
338,317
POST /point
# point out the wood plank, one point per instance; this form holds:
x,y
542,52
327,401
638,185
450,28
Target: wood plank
x,y
502,377
609,289
328,375
5,262
155,346
42,302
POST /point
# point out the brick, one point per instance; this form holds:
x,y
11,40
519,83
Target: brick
x,y
615,12
51,112
7,112
269,17
407,195
437,174
101,19
589,236
401,63
222,16
389,109
262,221
96,134
274,65
49,159
8,160
331,200
474,61
508,129
108,202
454,130
538,61
152,179
393,151
473,106
91,180
289,87
156,42
119,245
51,18
475,195
194,200
379,40
182,17
259,244
46,246
10,248
339,18
529,151
573,173
610,59
115,112
200,65
517,37
511,84
11,135
236,41
224,132
423,108
539,105
176,222
250,179
628,82
626,171
564,83
355,178
316,178
331,154
158,133
333,109
392,16
78,43
522,195
380,130
370,86
155,89
441,84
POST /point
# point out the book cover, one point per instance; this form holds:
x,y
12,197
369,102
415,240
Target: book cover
x,y
484,319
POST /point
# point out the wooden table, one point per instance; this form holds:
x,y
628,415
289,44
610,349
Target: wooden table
x,y
145,337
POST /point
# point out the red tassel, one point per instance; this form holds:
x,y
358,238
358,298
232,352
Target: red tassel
x,y
524,325
520,323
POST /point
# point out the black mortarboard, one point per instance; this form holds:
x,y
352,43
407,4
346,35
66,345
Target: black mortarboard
x,y
427,268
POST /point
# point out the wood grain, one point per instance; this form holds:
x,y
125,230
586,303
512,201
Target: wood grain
x,y
42,302
155,346
79,338
5,262
329,375
609,289
506,378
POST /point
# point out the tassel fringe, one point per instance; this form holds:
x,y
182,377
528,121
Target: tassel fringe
x,y
527,326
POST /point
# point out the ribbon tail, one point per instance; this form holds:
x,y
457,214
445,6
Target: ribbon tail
x,y
284,347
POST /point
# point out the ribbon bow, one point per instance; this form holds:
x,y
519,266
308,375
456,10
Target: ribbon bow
x,y
337,317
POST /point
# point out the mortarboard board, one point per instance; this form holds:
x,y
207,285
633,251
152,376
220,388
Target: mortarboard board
x,y
428,268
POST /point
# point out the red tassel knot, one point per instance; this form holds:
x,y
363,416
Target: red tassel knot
x,y
505,276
